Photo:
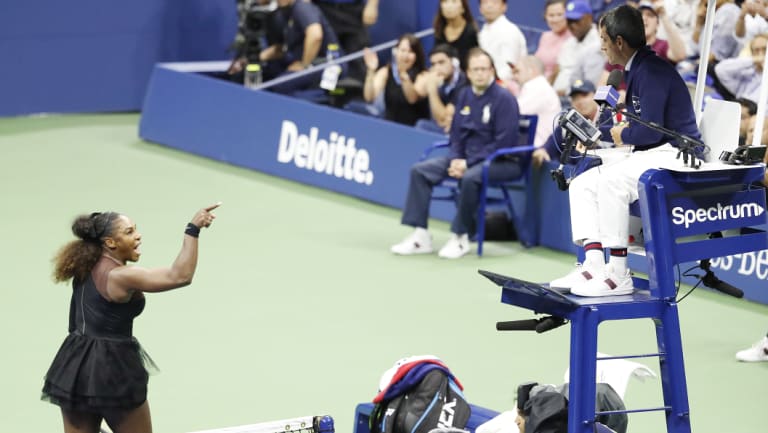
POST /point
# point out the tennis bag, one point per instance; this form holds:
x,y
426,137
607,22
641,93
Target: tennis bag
x,y
435,402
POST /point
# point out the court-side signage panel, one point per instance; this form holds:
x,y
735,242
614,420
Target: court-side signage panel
x,y
711,213
344,152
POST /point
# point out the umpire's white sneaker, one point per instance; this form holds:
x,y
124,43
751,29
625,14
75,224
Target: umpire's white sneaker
x,y
457,246
418,242
609,283
582,272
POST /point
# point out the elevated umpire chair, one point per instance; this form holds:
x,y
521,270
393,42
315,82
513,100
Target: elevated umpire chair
x,y
664,194
499,193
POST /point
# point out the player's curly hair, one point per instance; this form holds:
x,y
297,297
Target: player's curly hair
x,y
78,257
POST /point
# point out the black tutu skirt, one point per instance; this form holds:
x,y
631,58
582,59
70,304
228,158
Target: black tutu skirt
x,y
92,374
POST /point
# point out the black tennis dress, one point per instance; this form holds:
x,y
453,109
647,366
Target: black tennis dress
x,y
100,366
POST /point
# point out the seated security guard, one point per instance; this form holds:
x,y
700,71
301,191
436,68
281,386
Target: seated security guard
x,y
486,119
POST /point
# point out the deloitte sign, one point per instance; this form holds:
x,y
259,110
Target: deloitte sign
x,y
335,155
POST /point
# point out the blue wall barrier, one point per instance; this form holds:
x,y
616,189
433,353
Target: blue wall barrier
x,y
344,152
275,134
97,56
94,55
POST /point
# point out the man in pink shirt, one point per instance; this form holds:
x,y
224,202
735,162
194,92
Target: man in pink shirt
x,y
536,96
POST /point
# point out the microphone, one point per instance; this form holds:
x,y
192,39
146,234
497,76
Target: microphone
x,y
517,325
543,324
615,78
549,323
608,96
711,281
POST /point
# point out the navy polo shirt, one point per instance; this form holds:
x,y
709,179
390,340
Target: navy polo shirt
x,y
483,123
299,16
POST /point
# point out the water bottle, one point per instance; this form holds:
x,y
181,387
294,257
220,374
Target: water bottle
x,y
331,72
332,52
252,75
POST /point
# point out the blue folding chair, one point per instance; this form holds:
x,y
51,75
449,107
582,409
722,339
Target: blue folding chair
x,y
448,189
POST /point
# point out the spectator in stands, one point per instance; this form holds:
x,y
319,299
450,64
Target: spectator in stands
x,y
759,351
455,26
741,77
487,120
308,36
582,98
395,81
682,13
724,42
600,198
441,85
672,50
580,57
654,13
599,7
502,39
748,109
764,181
536,96
752,20
751,132
552,40
765,161
350,20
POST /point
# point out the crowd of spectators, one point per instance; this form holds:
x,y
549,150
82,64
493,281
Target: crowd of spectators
x,y
414,88
568,50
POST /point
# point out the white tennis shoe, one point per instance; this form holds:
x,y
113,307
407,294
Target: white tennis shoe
x,y
606,283
757,353
583,272
457,246
418,242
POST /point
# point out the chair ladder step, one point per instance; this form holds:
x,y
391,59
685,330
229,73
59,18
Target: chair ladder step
x,y
645,355
649,409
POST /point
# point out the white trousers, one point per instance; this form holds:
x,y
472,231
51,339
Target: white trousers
x,y
600,197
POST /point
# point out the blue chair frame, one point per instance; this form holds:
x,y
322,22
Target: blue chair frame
x,y
667,243
524,224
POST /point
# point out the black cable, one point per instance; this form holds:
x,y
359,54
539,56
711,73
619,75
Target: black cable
x,y
555,122
609,118
695,286
686,273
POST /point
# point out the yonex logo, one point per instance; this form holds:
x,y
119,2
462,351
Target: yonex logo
x,y
446,415
687,217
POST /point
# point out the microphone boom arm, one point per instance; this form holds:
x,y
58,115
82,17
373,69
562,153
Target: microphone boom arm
x,y
687,145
